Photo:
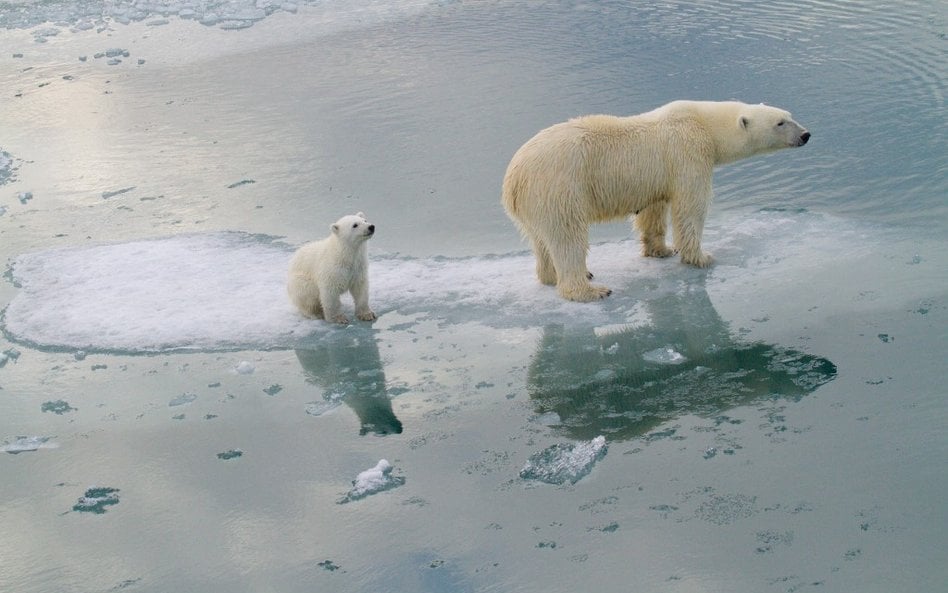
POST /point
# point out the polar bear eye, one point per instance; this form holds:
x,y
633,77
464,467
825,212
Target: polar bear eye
x,y
780,123
355,225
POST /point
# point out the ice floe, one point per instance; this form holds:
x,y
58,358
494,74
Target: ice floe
x,y
22,444
227,291
372,481
564,462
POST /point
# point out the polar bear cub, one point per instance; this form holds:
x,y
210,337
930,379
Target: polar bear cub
x,y
321,271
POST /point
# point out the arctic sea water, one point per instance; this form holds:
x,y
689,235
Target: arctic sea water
x,y
774,423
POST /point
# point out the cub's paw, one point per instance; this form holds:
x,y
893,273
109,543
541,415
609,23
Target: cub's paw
x,y
366,316
340,319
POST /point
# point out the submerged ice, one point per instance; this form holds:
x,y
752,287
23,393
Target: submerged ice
x,y
564,462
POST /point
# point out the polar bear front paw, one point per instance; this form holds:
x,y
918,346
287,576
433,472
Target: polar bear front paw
x,y
585,293
366,316
702,260
340,319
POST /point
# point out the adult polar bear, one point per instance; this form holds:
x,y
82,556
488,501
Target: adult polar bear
x,y
599,167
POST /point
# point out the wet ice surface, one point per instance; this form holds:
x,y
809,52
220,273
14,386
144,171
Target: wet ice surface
x,y
774,423
564,462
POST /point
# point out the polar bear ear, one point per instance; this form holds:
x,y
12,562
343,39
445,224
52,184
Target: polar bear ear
x,y
743,122
334,228
360,215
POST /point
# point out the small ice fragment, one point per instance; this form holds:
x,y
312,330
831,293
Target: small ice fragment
x,y
184,398
58,407
114,52
3,210
141,61
564,462
241,182
96,499
83,58
710,452
273,389
230,454
372,481
24,196
23,444
666,355
321,407
549,419
17,55
244,368
114,62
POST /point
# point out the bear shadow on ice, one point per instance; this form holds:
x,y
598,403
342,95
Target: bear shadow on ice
x,y
622,382
349,370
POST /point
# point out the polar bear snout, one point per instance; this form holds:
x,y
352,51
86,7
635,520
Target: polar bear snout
x,y
371,227
804,138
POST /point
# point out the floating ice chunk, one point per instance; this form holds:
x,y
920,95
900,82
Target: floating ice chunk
x,y
96,499
564,462
372,481
26,443
24,196
244,368
114,52
184,398
321,407
666,355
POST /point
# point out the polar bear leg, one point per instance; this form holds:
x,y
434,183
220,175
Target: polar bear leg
x,y
546,272
332,306
688,214
568,253
652,222
360,294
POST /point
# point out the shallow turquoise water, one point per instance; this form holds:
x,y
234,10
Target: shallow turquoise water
x,y
773,424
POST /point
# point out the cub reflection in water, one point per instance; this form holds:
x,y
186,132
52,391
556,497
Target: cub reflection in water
x,y
349,369
623,381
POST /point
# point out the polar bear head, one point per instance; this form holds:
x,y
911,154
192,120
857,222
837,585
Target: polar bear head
x,y
767,128
353,229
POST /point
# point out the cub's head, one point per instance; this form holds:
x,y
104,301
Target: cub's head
x,y
353,228
768,128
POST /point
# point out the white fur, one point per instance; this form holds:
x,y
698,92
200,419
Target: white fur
x,y
601,167
321,271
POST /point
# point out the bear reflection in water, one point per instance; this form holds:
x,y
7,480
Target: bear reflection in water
x,y
349,369
624,381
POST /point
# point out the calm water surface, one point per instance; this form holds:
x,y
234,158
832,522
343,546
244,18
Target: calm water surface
x,y
775,423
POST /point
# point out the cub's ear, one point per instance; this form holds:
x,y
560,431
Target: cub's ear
x,y
743,122
334,228
360,215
